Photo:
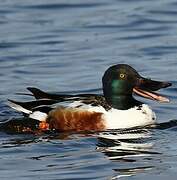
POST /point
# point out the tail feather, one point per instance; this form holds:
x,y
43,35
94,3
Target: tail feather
x,y
30,105
39,94
38,115
18,107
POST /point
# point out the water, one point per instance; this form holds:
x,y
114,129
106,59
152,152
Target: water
x,y
66,46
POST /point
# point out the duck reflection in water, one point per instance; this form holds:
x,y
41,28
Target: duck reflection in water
x,y
126,147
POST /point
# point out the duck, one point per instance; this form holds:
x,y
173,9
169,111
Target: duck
x,y
116,108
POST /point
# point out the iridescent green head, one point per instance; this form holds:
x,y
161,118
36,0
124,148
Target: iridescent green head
x,y
119,82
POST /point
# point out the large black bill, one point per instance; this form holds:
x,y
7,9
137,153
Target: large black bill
x,y
145,87
150,85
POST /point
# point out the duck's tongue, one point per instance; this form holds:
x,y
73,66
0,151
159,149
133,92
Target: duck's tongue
x,y
150,95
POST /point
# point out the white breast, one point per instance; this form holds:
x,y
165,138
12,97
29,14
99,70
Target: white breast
x,y
117,119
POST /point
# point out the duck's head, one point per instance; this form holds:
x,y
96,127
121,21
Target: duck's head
x,y
121,80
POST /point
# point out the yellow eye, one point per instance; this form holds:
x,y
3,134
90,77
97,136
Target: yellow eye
x,y
122,76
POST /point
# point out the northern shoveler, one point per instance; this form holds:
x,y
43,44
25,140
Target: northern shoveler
x,y
115,109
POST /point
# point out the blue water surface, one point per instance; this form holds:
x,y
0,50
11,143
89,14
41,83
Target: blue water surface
x,y
65,46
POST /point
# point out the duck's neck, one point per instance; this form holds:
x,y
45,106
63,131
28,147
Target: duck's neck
x,y
122,102
118,94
